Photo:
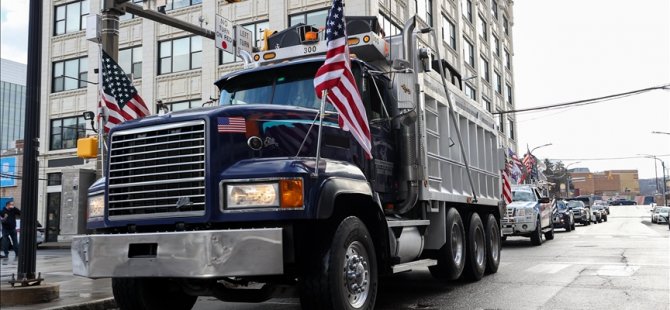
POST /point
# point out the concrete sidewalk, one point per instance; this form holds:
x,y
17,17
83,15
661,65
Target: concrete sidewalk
x,y
54,263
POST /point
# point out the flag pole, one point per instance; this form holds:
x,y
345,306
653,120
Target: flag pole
x,y
101,118
324,94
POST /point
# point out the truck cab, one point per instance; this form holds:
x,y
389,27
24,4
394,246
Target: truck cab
x,y
529,215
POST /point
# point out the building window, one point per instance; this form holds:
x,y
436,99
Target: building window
x,y
484,69
510,129
494,9
508,90
65,132
505,25
69,74
482,28
470,92
390,28
487,105
448,28
257,31
508,60
226,58
176,4
54,179
315,18
501,122
469,52
130,60
466,7
129,16
180,54
498,83
184,105
496,45
429,12
70,17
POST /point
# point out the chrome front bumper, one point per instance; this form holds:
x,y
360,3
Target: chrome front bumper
x,y
197,254
517,225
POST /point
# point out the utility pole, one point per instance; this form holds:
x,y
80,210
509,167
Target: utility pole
x,y
27,246
110,28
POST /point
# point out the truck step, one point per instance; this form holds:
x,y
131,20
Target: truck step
x,y
414,265
391,222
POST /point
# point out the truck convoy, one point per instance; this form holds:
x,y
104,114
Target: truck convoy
x,y
230,201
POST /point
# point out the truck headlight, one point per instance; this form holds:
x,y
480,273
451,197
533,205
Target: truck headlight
x,y
520,212
285,194
96,206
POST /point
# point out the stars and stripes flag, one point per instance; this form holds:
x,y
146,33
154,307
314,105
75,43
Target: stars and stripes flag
x,y
119,97
231,124
515,165
335,77
507,185
529,163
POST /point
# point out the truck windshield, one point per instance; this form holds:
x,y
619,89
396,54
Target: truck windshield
x,y
284,86
523,196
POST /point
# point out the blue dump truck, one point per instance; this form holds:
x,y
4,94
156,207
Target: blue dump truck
x,y
230,201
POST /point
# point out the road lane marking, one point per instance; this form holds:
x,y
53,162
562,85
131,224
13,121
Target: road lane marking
x,y
617,270
549,268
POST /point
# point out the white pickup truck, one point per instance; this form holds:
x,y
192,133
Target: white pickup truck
x,y
529,215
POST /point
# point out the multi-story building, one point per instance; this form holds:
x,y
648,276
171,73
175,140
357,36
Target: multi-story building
x,y
606,183
12,102
179,68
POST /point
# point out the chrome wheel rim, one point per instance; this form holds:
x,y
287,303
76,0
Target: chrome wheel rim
x,y
495,244
356,273
456,244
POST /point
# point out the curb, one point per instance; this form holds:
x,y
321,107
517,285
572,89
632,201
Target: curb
x,y
100,304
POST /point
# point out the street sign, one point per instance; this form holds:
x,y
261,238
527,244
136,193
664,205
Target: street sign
x,y
244,38
224,35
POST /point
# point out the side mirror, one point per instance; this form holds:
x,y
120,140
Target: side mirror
x,y
544,200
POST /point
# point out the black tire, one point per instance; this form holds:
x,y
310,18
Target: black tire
x,y
550,234
536,236
573,225
493,244
503,238
568,226
323,284
150,294
605,218
475,261
451,257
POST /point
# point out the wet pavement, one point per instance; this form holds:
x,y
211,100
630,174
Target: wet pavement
x,y
56,268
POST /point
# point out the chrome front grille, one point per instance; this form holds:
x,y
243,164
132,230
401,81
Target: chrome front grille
x,y
157,171
510,212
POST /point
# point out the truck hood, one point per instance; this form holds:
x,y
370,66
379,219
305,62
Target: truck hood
x,y
521,204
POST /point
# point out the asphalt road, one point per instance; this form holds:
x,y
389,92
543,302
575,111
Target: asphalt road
x,y
620,264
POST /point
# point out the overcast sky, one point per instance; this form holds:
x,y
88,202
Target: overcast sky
x,y
564,50
567,50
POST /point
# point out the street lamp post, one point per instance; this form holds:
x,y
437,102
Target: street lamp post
x,y
537,147
665,199
569,177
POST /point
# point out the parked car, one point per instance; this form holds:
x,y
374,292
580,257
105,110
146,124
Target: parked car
x,y
663,214
39,236
563,216
581,213
622,202
604,204
654,213
602,210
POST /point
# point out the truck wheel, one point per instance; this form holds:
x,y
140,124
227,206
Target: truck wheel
x,y
550,234
536,236
451,257
568,227
493,244
573,225
345,276
150,293
605,218
475,261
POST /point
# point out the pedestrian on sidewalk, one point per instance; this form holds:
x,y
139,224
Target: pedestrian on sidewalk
x,y
8,217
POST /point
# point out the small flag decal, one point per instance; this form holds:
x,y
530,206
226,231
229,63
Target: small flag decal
x,y
231,124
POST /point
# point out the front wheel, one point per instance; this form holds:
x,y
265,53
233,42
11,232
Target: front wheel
x,y
345,276
536,236
150,293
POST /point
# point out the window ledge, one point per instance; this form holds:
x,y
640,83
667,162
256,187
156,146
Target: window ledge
x,y
67,36
67,93
178,75
186,9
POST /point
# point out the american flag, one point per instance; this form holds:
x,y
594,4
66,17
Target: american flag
x,y
231,124
507,185
118,95
335,76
